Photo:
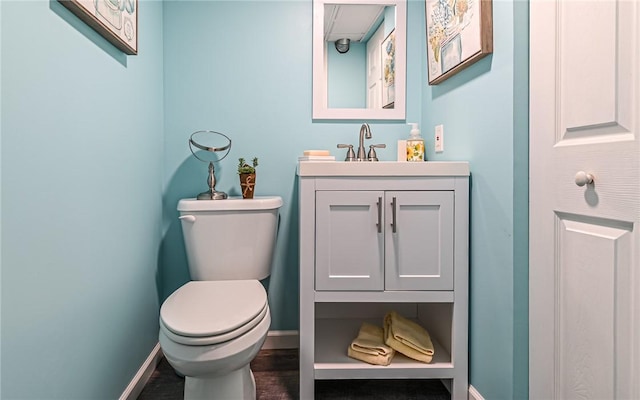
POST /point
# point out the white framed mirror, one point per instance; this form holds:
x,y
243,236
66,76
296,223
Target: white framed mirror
x,y
364,77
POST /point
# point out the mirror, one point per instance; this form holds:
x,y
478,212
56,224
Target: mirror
x,y
359,59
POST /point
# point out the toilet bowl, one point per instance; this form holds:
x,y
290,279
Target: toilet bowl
x,y
212,327
212,341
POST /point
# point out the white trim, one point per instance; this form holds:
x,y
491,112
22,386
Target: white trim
x,y
141,378
474,394
281,340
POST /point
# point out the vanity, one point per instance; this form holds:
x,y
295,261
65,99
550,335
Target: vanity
x,y
376,237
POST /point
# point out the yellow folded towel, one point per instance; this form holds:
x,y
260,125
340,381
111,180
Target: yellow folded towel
x,y
369,346
407,337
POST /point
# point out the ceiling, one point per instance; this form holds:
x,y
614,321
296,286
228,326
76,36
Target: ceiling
x,y
352,21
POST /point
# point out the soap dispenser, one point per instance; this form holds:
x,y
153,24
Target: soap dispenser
x,y
415,144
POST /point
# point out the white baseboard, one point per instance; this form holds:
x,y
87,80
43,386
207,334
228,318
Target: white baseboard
x,y
474,394
141,378
281,340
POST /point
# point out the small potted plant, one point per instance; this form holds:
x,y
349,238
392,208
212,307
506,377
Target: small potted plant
x,y
247,177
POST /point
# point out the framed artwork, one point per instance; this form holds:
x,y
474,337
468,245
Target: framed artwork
x,y
116,20
459,33
389,70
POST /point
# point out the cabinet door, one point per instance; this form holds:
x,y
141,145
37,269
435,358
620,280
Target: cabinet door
x,y
349,240
419,240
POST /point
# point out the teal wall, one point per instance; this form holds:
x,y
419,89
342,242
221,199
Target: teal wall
x,y
347,76
521,201
0,204
257,91
82,129
1,258
89,226
265,106
484,112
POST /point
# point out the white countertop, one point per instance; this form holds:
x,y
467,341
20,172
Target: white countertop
x,y
383,168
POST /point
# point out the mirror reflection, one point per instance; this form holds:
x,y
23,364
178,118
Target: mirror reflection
x,y
360,44
359,59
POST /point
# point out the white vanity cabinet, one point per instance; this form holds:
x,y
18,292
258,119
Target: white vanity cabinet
x,y
376,237
384,240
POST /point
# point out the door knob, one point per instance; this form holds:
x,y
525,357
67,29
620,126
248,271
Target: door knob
x,y
582,178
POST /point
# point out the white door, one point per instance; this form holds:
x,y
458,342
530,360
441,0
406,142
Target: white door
x,y
374,69
584,241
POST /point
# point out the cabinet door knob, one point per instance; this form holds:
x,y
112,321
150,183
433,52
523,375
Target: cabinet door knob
x,y
394,223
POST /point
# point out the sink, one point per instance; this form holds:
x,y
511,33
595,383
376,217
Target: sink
x,y
383,168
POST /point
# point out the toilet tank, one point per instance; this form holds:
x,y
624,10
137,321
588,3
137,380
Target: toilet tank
x,y
229,239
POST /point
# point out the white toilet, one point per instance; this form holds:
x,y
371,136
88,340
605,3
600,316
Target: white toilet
x,y
212,327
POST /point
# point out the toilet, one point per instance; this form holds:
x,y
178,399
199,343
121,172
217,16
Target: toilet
x,y
213,326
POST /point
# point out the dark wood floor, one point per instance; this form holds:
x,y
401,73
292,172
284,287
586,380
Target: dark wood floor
x,y
276,374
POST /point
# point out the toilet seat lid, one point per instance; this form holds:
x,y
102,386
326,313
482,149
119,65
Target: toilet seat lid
x,y
211,308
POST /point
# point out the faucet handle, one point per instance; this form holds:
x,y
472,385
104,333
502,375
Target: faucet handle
x,y
351,155
372,156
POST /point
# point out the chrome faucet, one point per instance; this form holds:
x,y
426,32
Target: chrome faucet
x,y
365,132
